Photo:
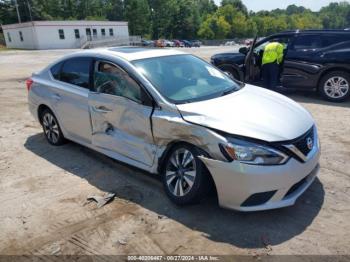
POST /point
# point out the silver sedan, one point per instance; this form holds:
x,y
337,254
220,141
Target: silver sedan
x,y
171,113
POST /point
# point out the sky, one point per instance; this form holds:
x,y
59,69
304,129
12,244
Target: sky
x,y
258,5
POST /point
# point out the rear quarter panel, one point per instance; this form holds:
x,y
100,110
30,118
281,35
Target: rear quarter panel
x,y
39,93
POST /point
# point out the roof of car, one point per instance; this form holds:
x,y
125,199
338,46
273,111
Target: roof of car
x,y
136,53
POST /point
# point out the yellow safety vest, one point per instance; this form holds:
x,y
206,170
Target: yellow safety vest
x,y
273,52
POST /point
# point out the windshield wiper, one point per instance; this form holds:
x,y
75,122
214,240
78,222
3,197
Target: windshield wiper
x,y
198,99
227,92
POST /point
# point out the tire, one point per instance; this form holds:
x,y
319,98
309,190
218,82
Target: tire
x,y
230,71
182,186
335,86
51,128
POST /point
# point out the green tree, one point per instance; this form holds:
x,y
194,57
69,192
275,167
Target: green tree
x,y
214,27
238,4
304,21
240,24
7,13
293,9
205,8
162,15
185,20
205,30
115,10
336,15
137,13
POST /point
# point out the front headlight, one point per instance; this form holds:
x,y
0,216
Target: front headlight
x,y
252,153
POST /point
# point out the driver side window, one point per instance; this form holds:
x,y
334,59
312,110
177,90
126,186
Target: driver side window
x,y
110,79
282,40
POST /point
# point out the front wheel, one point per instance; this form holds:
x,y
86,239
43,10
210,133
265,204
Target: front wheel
x,y
335,86
185,178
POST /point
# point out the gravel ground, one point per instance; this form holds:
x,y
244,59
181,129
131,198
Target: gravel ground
x,y
43,191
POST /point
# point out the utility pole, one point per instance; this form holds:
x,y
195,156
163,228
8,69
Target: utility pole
x,y
30,12
18,16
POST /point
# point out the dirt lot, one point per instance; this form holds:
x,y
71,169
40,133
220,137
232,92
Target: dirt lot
x,y
43,190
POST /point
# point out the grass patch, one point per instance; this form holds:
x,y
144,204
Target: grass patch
x,y
3,48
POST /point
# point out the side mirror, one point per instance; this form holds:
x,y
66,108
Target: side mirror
x,y
243,50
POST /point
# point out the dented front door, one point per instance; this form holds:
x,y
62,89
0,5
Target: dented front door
x,y
122,126
120,121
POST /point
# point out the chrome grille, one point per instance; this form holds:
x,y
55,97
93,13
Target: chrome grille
x,y
302,143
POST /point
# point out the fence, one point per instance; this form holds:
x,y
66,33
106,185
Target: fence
x,y
84,43
220,42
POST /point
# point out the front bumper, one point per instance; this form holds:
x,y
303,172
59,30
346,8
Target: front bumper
x,y
237,182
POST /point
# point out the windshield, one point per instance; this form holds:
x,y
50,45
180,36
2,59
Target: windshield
x,y
185,78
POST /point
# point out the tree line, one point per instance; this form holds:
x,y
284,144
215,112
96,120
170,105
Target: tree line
x,y
181,19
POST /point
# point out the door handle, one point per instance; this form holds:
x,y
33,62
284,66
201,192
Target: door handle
x,y
101,109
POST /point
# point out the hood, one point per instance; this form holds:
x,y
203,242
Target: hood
x,y
251,112
236,58
229,54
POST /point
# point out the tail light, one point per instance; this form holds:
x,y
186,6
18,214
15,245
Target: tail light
x,y
29,83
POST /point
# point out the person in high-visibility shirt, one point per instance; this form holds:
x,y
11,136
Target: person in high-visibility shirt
x,y
272,58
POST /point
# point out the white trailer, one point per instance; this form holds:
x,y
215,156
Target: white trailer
x,y
63,34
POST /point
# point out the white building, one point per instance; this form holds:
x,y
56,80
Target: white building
x,y
63,34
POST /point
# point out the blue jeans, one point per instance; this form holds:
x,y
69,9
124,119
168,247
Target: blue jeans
x,y
270,74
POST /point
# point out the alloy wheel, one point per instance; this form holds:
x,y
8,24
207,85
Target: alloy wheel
x,y
336,87
180,172
51,128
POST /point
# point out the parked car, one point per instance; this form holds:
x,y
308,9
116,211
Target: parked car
x,y
178,43
168,43
196,43
187,43
173,114
147,43
230,43
313,60
160,43
248,42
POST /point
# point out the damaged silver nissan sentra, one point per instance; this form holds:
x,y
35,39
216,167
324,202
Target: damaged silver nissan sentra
x,y
172,113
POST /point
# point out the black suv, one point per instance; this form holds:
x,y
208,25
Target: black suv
x,y
313,60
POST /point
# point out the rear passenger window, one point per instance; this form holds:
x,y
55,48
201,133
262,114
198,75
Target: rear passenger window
x,y
329,40
55,71
307,42
76,71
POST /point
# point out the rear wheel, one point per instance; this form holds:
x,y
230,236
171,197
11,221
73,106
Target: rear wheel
x,y
185,178
335,86
52,130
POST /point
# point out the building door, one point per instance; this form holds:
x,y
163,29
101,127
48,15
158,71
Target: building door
x,y
94,33
88,34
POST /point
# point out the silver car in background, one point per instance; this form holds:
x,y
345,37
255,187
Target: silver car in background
x,y
171,113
